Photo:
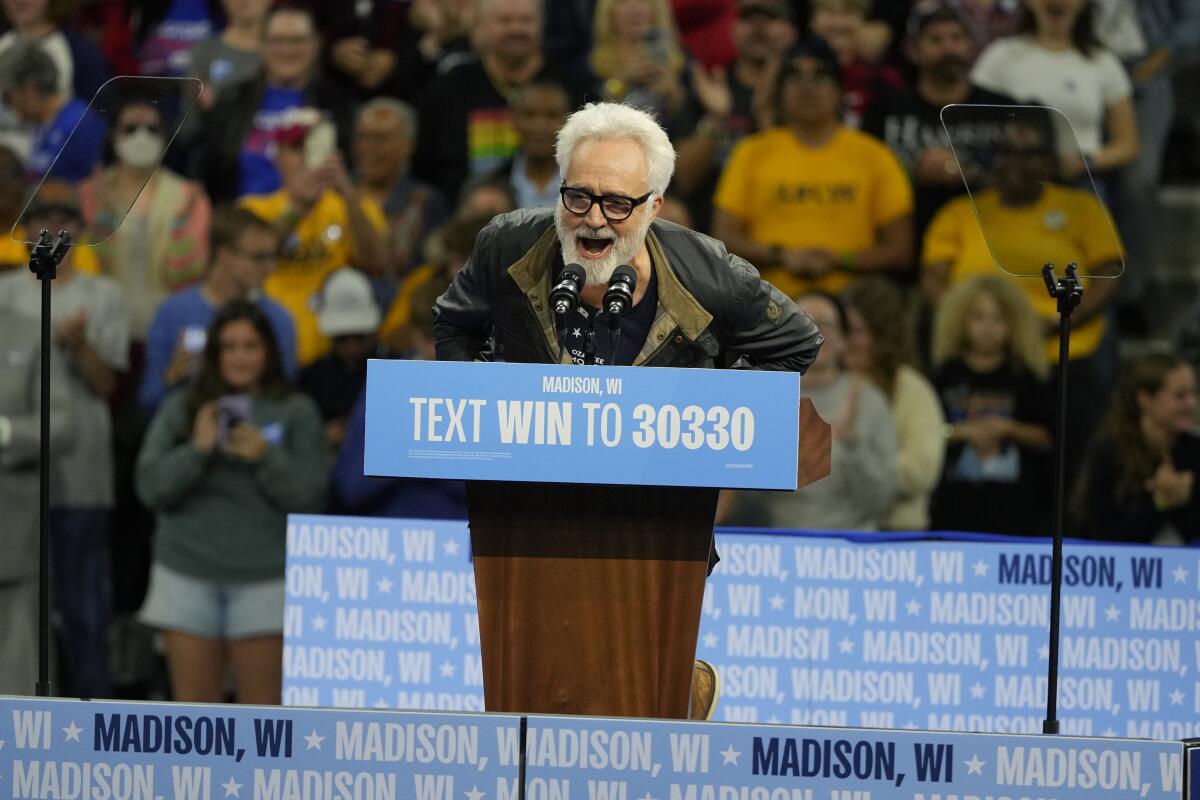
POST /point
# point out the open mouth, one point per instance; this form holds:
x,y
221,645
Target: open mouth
x,y
594,248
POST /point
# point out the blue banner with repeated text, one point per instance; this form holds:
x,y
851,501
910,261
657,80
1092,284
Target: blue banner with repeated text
x,y
571,758
935,635
616,425
101,750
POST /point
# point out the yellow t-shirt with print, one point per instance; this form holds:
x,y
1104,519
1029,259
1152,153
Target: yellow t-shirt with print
x,y
320,244
1063,226
835,196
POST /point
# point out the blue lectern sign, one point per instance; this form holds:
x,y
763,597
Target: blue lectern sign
x,y
565,424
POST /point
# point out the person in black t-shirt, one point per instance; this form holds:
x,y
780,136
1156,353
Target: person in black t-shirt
x,y
1139,478
909,120
990,376
466,119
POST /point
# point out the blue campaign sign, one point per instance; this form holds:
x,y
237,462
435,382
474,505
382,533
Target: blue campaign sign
x,y
565,424
100,750
921,635
953,635
577,757
381,614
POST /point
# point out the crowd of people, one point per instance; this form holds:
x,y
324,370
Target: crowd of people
x,y
340,161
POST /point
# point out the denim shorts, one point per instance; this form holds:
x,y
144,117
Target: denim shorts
x,y
212,609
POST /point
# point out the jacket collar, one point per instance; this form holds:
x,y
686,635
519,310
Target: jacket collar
x,y
677,307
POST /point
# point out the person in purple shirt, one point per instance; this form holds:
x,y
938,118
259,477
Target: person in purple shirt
x,y
29,83
244,248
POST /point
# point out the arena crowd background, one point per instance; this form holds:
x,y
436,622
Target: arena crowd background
x,y
809,142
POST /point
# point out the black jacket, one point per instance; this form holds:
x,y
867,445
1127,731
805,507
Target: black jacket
x,y
713,308
224,129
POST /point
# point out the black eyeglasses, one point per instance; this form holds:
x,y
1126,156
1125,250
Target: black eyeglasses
x,y
614,207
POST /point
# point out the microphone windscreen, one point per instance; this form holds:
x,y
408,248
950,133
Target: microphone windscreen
x,y
575,272
625,274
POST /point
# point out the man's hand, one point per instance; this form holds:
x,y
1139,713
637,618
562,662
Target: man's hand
x,y
937,166
712,90
351,55
245,443
1152,64
205,429
809,262
380,66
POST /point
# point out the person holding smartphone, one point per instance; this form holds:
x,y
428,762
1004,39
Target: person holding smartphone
x,y
223,464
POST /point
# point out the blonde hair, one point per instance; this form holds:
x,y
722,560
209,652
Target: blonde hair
x,y
605,56
1026,347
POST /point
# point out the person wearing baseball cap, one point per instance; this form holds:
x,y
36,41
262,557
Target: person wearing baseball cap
x,y
814,202
346,313
942,46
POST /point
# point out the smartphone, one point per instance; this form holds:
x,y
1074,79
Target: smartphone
x,y
319,144
194,338
231,409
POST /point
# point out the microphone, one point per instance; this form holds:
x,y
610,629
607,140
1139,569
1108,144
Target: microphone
x,y
564,297
619,297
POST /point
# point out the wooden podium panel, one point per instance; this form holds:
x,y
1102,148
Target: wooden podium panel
x,y
589,596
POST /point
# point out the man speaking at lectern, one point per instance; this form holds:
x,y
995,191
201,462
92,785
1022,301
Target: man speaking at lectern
x,y
694,304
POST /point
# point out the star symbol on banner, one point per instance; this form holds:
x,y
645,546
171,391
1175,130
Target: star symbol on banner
x,y
1180,574
974,766
72,731
1112,613
1108,733
980,568
777,602
314,740
474,794
977,691
380,704
710,640
450,548
318,623
912,607
231,788
1044,653
576,332
447,669
729,756
384,586
1176,698
845,646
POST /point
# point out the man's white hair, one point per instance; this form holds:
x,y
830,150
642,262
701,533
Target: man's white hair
x,y
618,121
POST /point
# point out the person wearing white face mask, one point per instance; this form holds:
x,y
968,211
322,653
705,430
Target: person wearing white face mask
x,y
162,245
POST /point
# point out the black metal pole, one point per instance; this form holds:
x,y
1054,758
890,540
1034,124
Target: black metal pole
x,y
43,685
1067,292
47,254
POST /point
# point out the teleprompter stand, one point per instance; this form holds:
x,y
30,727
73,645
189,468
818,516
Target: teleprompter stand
x,y
1068,291
46,255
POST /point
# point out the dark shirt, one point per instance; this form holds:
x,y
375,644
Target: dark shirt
x,y
466,125
909,125
1007,492
1108,513
587,323
334,385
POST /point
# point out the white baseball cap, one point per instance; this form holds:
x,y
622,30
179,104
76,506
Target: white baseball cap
x,y
346,305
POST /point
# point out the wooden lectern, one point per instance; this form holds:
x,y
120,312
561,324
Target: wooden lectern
x,y
590,595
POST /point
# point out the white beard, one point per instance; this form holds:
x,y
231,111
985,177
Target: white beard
x,y
623,250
